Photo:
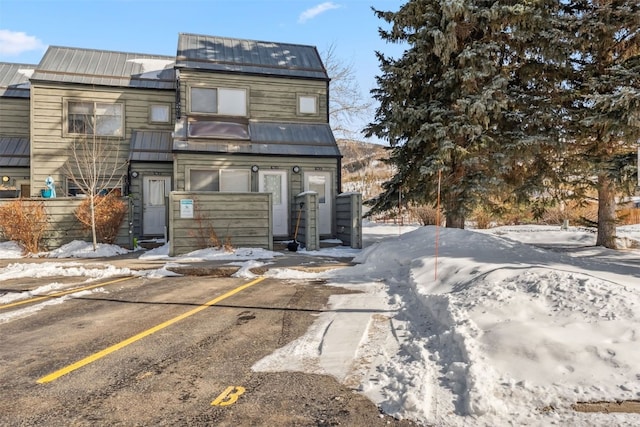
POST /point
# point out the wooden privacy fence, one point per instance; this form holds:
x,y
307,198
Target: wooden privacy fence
x,y
349,219
63,226
201,219
306,204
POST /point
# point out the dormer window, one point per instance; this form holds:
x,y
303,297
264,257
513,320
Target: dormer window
x,y
219,101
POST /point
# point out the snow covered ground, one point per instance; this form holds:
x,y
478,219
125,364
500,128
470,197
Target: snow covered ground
x,y
506,326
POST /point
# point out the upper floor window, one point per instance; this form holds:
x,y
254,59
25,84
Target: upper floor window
x,y
222,101
95,118
160,113
307,104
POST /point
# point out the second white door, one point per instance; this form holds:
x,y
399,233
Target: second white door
x,y
320,182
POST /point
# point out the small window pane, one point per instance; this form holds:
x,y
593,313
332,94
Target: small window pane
x,y
204,100
234,181
233,102
204,180
273,184
80,117
308,105
160,113
317,184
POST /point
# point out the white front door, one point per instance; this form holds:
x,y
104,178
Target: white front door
x,y
155,190
275,182
320,182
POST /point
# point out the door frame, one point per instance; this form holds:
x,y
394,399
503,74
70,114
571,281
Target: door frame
x,y
145,192
283,210
325,210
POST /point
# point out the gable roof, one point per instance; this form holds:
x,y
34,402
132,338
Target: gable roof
x,y
202,52
106,68
14,79
14,151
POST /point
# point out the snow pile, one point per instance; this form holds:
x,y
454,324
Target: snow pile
x,y
501,333
507,326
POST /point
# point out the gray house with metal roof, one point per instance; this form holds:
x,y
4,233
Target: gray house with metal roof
x,y
14,129
253,116
224,115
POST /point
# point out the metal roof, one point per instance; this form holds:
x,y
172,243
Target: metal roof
x,y
14,79
282,139
14,151
106,68
151,146
249,56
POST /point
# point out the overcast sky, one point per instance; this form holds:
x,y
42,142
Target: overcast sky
x,y
27,27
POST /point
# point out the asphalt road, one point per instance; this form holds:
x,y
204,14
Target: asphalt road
x,y
171,351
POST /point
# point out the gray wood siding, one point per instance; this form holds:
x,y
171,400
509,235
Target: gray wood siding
x,y
64,227
50,148
14,117
349,219
244,218
308,231
270,98
214,161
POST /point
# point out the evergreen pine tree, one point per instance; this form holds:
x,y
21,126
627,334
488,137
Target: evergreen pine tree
x,y
443,103
510,97
604,129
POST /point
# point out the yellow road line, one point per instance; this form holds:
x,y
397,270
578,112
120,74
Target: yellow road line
x,y
62,293
79,364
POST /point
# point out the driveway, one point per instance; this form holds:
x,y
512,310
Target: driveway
x,y
169,351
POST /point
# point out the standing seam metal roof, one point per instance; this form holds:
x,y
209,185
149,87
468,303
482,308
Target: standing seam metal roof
x,y
282,139
14,151
151,146
249,56
14,79
106,68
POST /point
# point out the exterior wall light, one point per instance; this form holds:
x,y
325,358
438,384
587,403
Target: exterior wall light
x,y
5,178
296,169
134,174
255,168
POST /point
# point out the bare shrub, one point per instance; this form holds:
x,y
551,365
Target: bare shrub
x,y
427,215
110,211
204,233
576,212
25,223
482,217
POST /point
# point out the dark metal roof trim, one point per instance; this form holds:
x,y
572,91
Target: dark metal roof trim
x,y
14,151
151,146
281,139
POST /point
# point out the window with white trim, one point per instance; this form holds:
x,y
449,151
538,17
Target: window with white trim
x,y
222,101
307,104
95,118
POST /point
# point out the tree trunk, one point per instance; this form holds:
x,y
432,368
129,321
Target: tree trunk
x,y
606,213
92,206
454,221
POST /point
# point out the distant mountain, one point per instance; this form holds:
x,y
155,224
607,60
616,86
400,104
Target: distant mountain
x,y
363,169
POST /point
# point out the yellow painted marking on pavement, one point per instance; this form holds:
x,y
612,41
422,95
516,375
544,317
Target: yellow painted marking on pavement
x,y
62,293
229,396
79,364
